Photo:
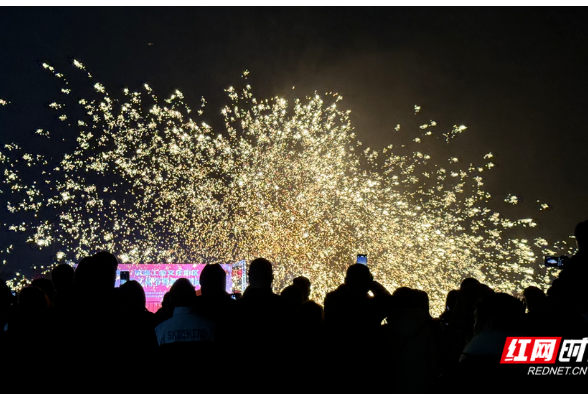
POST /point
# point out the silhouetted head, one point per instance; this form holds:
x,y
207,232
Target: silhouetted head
x,y
166,301
132,297
213,279
533,298
451,299
47,286
107,265
499,312
261,273
303,284
422,299
405,297
581,234
182,293
359,278
468,282
310,315
84,274
293,294
63,277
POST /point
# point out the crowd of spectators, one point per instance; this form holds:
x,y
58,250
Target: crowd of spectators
x,y
74,331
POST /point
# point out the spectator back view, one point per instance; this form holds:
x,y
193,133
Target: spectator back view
x,y
349,311
569,289
265,318
186,325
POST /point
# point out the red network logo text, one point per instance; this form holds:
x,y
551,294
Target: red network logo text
x,y
543,350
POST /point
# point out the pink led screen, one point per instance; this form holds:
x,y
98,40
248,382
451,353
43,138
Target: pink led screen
x,y
157,279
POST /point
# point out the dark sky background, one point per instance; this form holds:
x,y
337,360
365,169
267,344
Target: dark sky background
x,y
517,77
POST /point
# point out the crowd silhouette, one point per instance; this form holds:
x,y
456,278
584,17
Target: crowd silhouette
x,y
74,331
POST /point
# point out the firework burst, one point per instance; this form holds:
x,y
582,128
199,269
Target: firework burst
x,y
285,180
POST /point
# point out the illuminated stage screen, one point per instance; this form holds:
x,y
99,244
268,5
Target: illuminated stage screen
x,y
157,279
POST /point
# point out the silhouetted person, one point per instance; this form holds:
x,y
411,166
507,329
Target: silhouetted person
x,y
31,326
409,342
265,315
166,311
535,302
47,286
214,302
99,324
352,319
106,260
293,294
499,312
449,306
264,321
185,325
460,329
497,316
83,277
570,287
303,284
469,281
349,310
62,277
566,306
310,317
310,314
534,299
186,340
140,322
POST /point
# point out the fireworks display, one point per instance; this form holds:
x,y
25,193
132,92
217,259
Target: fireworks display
x,y
284,180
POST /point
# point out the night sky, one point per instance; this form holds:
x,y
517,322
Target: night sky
x,y
517,77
